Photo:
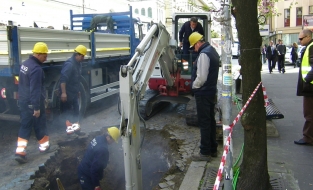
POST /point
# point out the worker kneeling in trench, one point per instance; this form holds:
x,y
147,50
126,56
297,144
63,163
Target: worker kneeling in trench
x,y
90,169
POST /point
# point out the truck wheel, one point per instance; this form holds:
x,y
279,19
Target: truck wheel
x,y
82,100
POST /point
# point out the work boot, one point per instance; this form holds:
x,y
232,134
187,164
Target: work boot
x,y
51,148
214,154
69,130
68,123
76,127
201,157
20,159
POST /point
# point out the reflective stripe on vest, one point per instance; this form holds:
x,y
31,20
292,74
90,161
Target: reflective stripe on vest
x,y
305,65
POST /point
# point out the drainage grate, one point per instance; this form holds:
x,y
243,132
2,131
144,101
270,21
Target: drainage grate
x,y
277,183
281,181
209,179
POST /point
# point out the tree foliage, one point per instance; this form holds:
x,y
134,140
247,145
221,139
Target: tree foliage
x,y
267,7
214,34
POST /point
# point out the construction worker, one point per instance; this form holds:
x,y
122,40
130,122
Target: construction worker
x,y
95,160
186,30
31,102
69,88
204,87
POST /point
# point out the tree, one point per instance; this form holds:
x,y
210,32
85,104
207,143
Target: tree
x,y
214,34
253,170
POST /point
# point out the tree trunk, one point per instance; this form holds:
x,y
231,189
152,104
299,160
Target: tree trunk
x,y
253,170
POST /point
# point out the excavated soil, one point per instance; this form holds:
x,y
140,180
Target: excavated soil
x,y
158,156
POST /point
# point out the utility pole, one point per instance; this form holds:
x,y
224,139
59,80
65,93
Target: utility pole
x,y
83,6
227,83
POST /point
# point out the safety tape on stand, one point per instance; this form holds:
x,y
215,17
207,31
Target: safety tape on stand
x,y
266,102
227,144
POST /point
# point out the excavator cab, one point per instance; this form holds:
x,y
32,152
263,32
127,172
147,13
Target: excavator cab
x,y
159,93
178,19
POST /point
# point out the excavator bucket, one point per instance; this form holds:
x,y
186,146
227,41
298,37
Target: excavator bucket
x,y
153,103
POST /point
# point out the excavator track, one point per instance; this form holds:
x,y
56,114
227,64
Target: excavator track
x,y
153,103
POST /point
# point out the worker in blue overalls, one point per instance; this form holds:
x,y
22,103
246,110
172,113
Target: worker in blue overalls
x,y
95,160
31,102
69,88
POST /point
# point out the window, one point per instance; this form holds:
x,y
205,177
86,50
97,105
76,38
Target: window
x,y
287,17
299,16
143,12
150,12
136,11
310,9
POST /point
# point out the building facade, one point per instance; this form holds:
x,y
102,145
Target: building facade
x,y
288,24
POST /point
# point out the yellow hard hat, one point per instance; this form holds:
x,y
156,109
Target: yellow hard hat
x,y
114,133
194,38
40,47
81,50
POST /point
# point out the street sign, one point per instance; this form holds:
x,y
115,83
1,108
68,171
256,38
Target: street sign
x,y
264,30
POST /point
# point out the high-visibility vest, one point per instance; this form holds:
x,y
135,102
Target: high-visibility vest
x,y
305,65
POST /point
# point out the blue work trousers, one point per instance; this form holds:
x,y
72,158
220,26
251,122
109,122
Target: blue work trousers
x,y
207,124
70,109
186,48
85,181
28,121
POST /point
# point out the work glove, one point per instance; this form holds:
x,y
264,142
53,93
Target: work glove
x,y
98,188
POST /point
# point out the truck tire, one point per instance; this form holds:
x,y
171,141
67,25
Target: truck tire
x,y
82,100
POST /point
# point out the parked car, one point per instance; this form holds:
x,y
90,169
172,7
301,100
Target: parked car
x,y
300,49
288,56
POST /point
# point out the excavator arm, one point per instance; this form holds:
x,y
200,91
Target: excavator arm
x,y
156,46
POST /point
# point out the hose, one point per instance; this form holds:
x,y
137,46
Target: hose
x,y
236,168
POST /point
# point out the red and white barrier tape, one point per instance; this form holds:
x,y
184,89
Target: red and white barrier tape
x,y
227,144
244,107
266,102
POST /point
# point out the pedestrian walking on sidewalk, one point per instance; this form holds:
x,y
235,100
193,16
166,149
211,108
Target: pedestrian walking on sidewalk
x,y
263,52
31,102
204,86
294,54
271,53
305,86
95,160
70,89
281,49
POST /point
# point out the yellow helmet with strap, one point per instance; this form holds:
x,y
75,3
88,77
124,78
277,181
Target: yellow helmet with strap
x,y
194,38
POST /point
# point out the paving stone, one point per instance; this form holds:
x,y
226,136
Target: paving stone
x,y
163,185
171,183
170,177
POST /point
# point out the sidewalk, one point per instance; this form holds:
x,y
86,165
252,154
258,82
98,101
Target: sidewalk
x,y
290,166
